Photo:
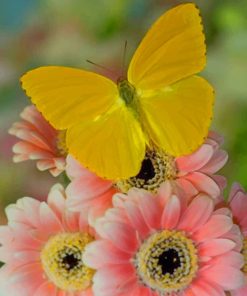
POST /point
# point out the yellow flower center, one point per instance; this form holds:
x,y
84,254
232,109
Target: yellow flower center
x,y
167,262
156,168
244,252
62,261
61,143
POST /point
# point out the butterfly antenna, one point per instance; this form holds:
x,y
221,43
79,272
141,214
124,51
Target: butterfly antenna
x,y
100,66
124,57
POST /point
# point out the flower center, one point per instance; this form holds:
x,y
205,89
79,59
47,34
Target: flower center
x,y
61,143
62,261
156,168
167,262
244,252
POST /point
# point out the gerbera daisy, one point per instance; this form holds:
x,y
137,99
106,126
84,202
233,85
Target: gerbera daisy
x,y
160,246
39,141
42,248
194,173
238,205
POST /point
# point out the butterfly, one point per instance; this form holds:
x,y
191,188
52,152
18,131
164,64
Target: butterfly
x,y
161,103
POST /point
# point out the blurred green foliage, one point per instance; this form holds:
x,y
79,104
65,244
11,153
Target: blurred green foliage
x,y
68,32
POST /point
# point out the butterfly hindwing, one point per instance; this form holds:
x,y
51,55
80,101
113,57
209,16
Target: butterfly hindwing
x,y
172,49
66,95
113,146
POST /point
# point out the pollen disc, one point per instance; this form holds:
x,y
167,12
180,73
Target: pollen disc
x,y
167,262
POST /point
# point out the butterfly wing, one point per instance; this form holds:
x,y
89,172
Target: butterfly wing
x,y
177,117
67,95
176,107
113,145
173,49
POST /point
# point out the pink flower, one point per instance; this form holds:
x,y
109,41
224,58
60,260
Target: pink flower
x,y
196,172
160,246
42,248
193,173
87,191
39,141
238,205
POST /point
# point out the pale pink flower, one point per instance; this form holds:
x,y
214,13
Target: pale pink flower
x,y
193,173
87,191
196,172
238,205
42,248
161,246
39,141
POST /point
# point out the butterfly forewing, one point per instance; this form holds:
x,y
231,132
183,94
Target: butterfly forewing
x,y
66,96
172,49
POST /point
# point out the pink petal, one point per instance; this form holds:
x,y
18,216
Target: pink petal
x,y
25,280
236,187
171,213
151,211
202,288
55,172
145,291
34,138
43,165
56,200
204,184
238,206
46,288
82,190
48,220
215,247
6,234
101,253
229,278
188,187
114,280
216,137
221,181
71,221
196,160
20,157
240,292
75,170
234,259
23,239
197,213
122,236
215,227
165,191
29,256
136,219
217,162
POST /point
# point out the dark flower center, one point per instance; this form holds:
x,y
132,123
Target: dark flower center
x,y
156,168
70,261
147,170
169,261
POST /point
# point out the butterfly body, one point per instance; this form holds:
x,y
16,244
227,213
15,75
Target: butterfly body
x,y
127,91
162,103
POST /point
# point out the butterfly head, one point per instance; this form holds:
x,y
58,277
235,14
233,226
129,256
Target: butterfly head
x,y
126,91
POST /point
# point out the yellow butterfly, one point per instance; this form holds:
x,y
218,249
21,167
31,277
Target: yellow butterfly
x,y
160,104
